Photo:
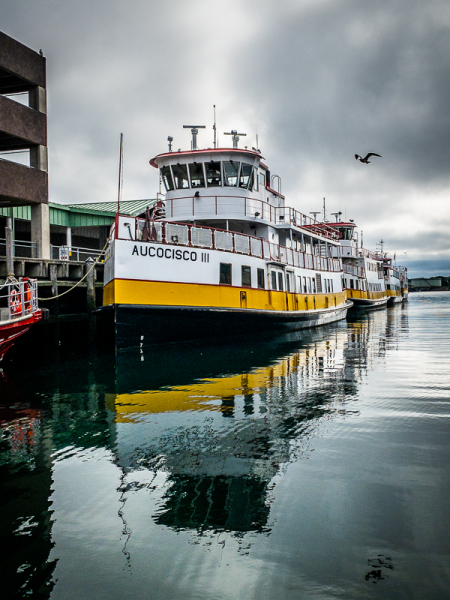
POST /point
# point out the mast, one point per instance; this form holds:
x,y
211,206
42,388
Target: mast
x,y
119,195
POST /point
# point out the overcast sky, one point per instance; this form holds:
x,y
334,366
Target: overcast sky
x,y
317,80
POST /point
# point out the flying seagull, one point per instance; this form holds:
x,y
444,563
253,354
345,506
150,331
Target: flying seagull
x,y
365,159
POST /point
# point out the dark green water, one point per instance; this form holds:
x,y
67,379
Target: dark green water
x,y
292,469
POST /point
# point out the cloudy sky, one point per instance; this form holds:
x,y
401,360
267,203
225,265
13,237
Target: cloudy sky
x,y
317,80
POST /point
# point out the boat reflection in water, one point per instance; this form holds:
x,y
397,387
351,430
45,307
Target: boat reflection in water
x,y
214,445
120,455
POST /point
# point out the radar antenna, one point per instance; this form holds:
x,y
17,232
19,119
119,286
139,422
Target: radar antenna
x,y
337,215
194,130
235,135
317,212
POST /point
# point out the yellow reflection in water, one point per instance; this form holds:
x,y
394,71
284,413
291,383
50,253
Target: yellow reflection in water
x,y
206,394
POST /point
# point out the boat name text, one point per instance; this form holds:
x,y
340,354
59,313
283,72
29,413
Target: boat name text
x,y
172,253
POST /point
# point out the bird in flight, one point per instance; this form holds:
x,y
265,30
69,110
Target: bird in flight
x,y
366,160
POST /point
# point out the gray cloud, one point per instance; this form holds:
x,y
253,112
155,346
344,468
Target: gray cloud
x,y
317,80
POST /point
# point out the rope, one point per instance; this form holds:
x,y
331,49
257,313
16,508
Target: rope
x,y
82,279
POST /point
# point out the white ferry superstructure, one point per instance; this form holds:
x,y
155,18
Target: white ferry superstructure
x,y
364,275
221,255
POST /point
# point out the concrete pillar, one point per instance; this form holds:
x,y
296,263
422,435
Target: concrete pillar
x,y
37,99
39,158
9,252
90,280
40,229
69,239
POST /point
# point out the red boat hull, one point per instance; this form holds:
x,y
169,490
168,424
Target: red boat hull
x,y
11,330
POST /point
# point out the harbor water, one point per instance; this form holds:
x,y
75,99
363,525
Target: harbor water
x,y
314,466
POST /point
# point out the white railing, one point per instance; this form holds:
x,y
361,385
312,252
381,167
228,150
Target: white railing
x,y
72,253
235,207
18,299
21,248
162,232
353,270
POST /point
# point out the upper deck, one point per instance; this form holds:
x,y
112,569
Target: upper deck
x,y
224,184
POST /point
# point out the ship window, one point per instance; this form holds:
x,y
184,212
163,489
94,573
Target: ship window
x,y
181,177
274,280
166,176
261,283
225,273
197,176
313,285
331,285
280,282
304,285
351,284
245,177
262,179
213,174
255,180
230,173
288,285
246,276
309,285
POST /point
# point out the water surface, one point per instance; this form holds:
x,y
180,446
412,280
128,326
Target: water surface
x,y
314,466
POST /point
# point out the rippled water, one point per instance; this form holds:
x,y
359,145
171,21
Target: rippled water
x,y
288,469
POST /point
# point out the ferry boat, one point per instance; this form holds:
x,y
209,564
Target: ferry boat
x,y
219,254
18,312
363,269
393,284
403,275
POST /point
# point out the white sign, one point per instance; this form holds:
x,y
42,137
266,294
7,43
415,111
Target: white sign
x,y
63,253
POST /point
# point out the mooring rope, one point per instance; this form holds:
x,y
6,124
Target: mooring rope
x,y
82,279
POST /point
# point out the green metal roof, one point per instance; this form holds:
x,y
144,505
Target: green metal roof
x,y
127,207
81,215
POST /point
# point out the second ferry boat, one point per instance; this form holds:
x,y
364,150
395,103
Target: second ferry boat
x,y
371,278
219,254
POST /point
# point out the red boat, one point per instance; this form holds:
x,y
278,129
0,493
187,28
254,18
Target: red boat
x,y
18,310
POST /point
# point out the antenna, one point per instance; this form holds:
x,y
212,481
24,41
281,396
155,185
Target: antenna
x,y
170,140
235,135
194,130
315,213
119,196
380,243
337,215
215,128
324,212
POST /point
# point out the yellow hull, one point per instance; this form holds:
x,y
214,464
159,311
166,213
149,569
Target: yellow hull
x,y
155,293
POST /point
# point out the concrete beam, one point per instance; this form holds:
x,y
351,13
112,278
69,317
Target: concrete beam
x,y
22,185
21,63
22,126
40,229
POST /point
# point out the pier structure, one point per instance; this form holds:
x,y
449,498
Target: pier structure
x,y
23,129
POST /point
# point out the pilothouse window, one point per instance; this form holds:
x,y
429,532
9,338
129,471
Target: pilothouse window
x,y
230,173
197,176
181,177
166,176
245,177
213,174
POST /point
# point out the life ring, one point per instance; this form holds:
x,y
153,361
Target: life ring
x,y
15,304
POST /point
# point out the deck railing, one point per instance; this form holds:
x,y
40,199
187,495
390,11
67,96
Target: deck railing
x,y
354,270
235,207
18,299
164,232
